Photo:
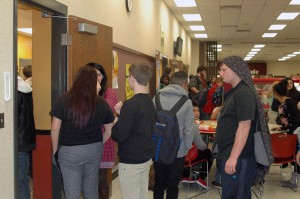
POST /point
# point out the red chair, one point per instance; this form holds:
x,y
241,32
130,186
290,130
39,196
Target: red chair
x,y
284,148
189,164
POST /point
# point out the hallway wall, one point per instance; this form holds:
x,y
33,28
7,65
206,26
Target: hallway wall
x,y
6,133
140,29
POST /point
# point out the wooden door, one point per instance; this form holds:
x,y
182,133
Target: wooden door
x,y
87,48
175,65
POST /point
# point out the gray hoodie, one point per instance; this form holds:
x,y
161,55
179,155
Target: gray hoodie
x,y
169,96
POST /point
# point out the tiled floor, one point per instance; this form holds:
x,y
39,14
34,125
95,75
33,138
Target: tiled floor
x,y
272,188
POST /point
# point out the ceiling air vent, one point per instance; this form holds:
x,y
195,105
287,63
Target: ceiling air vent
x,y
230,7
291,39
243,30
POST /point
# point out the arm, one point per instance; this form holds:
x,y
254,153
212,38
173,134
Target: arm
x,y
298,158
200,144
55,128
239,143
107,131
194,90
125,123
188,133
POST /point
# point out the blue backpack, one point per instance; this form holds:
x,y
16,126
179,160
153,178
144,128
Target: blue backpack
x,y
166,135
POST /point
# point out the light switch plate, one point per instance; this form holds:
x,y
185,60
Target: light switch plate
x,y
1,120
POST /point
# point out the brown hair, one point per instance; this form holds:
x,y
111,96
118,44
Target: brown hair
x,y
142,72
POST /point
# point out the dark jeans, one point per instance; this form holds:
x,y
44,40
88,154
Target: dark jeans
x,y
238,186
167,177
24,190
205,154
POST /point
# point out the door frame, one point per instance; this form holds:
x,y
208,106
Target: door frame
x,y
58,62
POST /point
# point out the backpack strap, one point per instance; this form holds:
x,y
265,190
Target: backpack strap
x,y
179,104
157,102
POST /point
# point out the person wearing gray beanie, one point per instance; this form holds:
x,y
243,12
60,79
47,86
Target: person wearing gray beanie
x,y
241,113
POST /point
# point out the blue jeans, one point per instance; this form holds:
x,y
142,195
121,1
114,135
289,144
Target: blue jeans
x,y
238,186
24,190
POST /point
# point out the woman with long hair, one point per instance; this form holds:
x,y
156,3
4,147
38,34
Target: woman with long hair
x,y
108,156
292,92
77,119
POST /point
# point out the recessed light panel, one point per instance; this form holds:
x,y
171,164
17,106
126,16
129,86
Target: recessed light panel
x,y
185,3
252,53
25,30
255,49
287,15
269,34
192,17
197,28
200,35
259,45
219,49
295,2
277,27
296,53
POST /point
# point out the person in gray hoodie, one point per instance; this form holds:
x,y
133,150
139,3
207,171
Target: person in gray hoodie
x,y
168,176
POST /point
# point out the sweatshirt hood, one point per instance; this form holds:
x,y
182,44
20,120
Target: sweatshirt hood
x,y
173,89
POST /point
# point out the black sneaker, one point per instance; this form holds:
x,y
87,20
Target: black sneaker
x,y
285,165
216,184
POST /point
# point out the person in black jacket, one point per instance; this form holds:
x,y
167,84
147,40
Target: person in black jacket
x,y
26,135
133,133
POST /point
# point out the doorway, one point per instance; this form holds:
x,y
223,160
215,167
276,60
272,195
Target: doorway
x,y
39,45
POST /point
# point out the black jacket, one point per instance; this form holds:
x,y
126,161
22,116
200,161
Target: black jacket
x,y
26,126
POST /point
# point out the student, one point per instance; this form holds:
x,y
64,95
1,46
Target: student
x,y
108,156
77,119
26,135
203,153
167,176
133,133
235,130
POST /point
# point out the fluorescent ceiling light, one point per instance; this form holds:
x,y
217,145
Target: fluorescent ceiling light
x,y
259,45
249,55
287,15
185,3
219,49
197,28
252,53
219,46
296,53
246,59
281,59
286,57
291,55
255,49
200,35
269,35
192,17
277,27
295,2
25,30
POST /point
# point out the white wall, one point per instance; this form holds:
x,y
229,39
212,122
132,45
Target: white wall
x,y
283,68
140,29
6,133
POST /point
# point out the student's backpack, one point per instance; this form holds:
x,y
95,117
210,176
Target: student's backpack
x,y
202,95
166,135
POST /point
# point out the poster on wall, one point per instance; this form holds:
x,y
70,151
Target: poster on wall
x,y
115,70
128,91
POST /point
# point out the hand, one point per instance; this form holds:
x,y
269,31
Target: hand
x,y
298,158
118,107
230,166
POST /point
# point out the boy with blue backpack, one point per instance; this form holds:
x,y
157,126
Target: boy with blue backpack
x,y
168,172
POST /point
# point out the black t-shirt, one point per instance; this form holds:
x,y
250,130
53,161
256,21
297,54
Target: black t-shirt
x,y
240,105
91,133
133,131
